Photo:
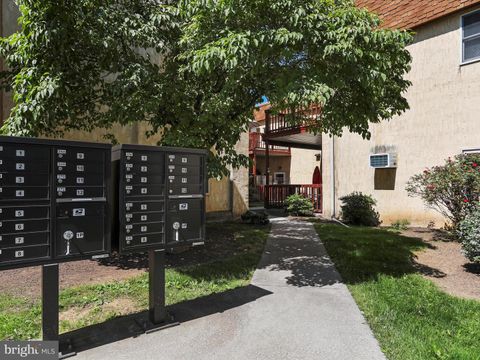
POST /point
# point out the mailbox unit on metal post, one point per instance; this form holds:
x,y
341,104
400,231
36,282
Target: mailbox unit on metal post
x,y
161,200
53,201
54,198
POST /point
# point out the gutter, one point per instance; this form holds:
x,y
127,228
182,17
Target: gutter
x,y
332,177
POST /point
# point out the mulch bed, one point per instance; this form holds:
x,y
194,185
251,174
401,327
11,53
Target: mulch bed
x,y
444,264
219,244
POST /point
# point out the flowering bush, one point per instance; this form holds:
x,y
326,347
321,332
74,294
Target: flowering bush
x,y
469,234
452,189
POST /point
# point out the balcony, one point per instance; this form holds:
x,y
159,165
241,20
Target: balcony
x,y
258,147
292,129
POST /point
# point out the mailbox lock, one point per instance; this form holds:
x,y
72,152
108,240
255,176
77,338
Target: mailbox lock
x,y
68,235
176,225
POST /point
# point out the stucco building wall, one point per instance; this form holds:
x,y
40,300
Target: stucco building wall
x,y
303,165
442,121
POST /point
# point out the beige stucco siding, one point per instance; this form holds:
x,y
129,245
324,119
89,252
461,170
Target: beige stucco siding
x,y
303,165
443,120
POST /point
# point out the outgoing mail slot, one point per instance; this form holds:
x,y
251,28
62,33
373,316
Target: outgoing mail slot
x,y
144,240
144,217
23,212
80,210
144,190
75,192
21,226
72,179
134,229
185,189
138,156
144,206
80,235
140,168
140,179
24,151
27,179
18,254
22,166
79,155
185,205
184,159
21,240
24,193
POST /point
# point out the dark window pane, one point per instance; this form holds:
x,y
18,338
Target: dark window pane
x,y
471,24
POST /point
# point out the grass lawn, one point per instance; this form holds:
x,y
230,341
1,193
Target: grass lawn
x,y
20,318
410,316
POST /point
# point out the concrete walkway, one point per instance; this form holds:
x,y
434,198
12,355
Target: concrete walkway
x,y
295,308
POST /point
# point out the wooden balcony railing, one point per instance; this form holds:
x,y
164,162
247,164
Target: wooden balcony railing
x,y
276,194
256,143
286,121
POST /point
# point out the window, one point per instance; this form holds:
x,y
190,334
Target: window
x,y
471,37
471,151
279,178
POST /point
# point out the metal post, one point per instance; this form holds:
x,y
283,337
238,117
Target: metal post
x,y
50,293
267,159
156,261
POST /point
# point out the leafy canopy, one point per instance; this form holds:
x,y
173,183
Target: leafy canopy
x,y
194,69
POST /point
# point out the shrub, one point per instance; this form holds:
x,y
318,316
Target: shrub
x,y
299,205
401,224
358,209
451,189
256,218
469,234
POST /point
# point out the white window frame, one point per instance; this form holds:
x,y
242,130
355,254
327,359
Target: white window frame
x,y
462,40
284,177
471,151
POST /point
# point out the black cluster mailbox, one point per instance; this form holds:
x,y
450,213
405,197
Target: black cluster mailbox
x,y
161,197
53,201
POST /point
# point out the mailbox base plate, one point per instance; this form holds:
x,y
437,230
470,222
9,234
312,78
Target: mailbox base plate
x,y
148,327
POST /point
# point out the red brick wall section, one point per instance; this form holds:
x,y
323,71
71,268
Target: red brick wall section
x,y
408,14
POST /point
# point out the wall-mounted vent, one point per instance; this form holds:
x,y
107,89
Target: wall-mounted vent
x,y
383,161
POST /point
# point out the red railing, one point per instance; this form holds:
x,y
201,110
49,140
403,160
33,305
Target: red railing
x,y
278,193
293,120
256,143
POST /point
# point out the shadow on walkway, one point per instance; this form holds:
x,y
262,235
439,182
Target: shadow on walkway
x,y
129,326
298,257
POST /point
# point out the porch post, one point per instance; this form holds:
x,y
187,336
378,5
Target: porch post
x,y
267,159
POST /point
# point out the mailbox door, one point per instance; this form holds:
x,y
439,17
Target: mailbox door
x,y
80,229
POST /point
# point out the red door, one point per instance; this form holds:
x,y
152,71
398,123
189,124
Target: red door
x,y
317,176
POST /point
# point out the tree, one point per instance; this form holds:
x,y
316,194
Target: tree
x,y
195,69
452,189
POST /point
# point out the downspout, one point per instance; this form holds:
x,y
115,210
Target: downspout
x,y
332,176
